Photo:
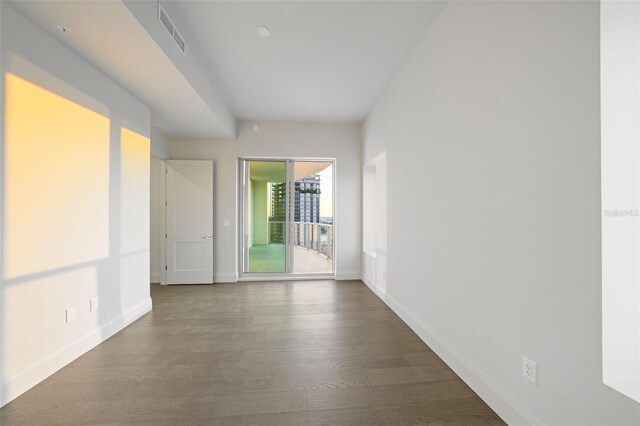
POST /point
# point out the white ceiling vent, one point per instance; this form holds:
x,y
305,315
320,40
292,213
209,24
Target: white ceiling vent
x,y
179,40
167,23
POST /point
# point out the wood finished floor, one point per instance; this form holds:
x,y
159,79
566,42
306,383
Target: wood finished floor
x,y
275,353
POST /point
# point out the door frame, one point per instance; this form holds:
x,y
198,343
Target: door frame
x,y
242,220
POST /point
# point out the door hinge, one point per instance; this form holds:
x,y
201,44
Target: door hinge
x,y
165,235
165,267
166,203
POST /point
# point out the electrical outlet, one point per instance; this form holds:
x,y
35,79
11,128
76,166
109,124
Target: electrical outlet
x,y
529,369
93,304
227,223
70,314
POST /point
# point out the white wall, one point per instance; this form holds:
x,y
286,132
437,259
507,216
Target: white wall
x,y
492,135
160,144
160,150
620,77
68,267
156,218
340,141
374,221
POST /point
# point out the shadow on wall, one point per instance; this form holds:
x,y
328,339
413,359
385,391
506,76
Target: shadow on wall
x,y
71,206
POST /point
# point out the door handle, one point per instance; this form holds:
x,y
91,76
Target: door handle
x,y
207,237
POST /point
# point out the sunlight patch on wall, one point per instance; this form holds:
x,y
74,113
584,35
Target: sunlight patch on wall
x,y
135,180
57,181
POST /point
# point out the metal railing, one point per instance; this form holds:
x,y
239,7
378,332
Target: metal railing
x,y
317,237
314,236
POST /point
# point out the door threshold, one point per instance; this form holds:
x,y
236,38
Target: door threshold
x,y
301,277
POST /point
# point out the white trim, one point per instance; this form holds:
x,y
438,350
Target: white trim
x,y
335,219
163,222
507,407
348,275
16,384
155,277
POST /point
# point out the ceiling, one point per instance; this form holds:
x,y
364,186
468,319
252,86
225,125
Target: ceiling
x,y
137,54
267,171
325,61
274,171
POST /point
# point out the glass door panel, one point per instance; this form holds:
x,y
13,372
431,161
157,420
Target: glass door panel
x,y
265,212
311,250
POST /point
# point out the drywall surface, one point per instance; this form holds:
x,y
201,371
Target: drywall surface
x,y
156,218
160,150
374,218
216,119
339,141
86,196
160,144
492,136
620,77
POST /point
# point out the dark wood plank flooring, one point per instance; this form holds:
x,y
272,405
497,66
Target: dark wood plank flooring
x,y
267,353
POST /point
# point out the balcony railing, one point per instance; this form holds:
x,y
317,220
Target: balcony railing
x,y
314,236
317,237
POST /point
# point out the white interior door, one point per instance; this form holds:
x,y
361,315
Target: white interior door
x,y
189,192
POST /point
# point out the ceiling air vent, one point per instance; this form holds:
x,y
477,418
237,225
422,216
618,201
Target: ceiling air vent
x,y
179,40
167,23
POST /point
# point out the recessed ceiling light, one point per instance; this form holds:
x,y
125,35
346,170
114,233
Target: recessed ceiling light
x,y
263,31
255,126
64,30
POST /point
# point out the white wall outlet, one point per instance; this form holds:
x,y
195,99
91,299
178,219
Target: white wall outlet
x,y
70,314
93,304
227,223
529,369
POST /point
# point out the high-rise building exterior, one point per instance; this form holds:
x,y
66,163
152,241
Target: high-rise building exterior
x,y
307,200
306,207
277,233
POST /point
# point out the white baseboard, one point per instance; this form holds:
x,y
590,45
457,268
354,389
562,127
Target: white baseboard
x,y
16,384
348,275
510,410
225,278
371,285
155,277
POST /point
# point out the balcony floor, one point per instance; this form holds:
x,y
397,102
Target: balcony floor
x,y
271,258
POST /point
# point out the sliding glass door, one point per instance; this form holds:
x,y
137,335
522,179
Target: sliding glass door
x,y
312,221
287,217
265,228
